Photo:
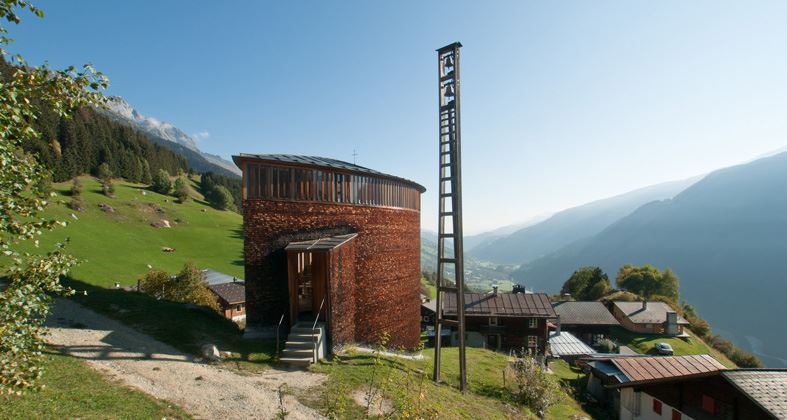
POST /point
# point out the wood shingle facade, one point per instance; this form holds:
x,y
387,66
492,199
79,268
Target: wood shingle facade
x,y
370,284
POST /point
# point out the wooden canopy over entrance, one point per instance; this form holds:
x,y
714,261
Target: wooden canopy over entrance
x,y
309,273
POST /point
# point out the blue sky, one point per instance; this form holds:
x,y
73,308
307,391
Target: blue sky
x,y
563,102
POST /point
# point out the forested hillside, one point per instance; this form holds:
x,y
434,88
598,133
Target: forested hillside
x,y
724,236
167,135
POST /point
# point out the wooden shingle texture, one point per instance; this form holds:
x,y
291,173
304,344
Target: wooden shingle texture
x,y
646,369
767,388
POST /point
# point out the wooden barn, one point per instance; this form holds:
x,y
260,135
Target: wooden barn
x,y
331,242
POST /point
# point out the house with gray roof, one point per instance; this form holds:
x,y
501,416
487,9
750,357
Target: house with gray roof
x,y
217,277
649,317
687,387
589,321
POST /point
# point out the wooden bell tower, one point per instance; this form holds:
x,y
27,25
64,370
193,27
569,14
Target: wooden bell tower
x,y
450,251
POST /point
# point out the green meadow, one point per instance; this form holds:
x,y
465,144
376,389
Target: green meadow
x,y
120,246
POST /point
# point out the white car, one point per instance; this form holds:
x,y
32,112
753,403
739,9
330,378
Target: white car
x,y
664,348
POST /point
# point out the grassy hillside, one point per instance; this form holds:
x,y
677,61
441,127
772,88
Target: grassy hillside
x,y
119,246
411,393
646,344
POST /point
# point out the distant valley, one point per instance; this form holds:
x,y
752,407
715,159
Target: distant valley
x,y
723,234
567,226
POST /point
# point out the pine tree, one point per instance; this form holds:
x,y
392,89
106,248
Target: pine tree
x,y
145,178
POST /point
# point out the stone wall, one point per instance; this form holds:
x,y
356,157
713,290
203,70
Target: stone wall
x,y
386,264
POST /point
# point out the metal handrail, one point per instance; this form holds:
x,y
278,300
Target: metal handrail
x,y
314,339
277,333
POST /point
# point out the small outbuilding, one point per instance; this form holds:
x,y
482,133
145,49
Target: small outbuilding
x,y
564,345
230,292
232,299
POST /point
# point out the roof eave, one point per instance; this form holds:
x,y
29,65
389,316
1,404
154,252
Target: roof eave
x,y
243,157
662,380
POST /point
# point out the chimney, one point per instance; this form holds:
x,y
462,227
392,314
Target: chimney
x,y
644,305
557,328
494,289
518,288
671,326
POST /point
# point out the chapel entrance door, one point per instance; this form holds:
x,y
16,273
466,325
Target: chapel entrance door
x,y
307,284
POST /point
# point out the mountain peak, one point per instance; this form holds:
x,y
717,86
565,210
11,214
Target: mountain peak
x,y
119,109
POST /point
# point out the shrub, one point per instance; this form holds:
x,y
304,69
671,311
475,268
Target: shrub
x,y
105,178
221,198
745,359
187,286
722,345
181,190
104,173
44,184
108,188
738,356
76,188
161,182
698,325
534,387
606,346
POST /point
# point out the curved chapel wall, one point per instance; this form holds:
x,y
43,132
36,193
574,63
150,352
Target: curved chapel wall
x,y
386,283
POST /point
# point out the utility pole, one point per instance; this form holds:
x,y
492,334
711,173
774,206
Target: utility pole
x,y
450,206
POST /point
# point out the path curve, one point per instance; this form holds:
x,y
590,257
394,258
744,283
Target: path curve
x,y
157,369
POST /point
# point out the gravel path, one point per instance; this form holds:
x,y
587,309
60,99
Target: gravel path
x,y
157,369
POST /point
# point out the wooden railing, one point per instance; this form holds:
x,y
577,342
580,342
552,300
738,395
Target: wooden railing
x,y
314,325
277,334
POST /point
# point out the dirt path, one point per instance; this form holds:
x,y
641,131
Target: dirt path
x,y
157,369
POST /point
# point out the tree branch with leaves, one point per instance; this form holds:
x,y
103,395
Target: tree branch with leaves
x,y
31,279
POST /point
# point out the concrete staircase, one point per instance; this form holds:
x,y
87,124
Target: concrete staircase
x,y
299,348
